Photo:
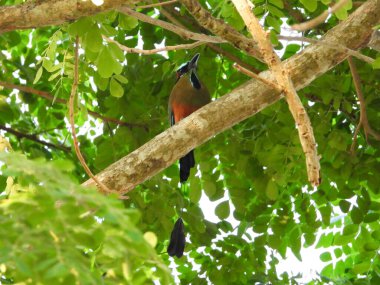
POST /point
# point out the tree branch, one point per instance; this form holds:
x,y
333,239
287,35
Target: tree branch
x,y
33,137
363,121
154,5
320,19
305,130
220,28
257,77
50,97
243,102
73,93
35,14
214,47
350,52
170,27
153,51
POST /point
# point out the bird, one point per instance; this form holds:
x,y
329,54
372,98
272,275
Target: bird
x,y
188,95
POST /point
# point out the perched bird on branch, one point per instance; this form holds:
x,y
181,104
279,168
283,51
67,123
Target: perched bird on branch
x,y
188,95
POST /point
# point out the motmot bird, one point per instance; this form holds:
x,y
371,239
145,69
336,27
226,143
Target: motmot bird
x,y
188,95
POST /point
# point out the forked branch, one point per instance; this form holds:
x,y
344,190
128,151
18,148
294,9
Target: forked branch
x,y
305,130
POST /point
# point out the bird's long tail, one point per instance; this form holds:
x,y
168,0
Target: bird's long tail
x,y
185,164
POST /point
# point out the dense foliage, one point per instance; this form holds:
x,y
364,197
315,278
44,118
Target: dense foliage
x,y
52,231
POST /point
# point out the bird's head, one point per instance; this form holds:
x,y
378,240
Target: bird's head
x,y
190,68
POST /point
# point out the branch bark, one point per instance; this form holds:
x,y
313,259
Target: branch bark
x,y
34,14
241,103
220,28
170,27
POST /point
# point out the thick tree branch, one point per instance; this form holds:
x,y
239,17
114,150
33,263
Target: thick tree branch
x,y
243,102
35,14
33,137
220,28
50,97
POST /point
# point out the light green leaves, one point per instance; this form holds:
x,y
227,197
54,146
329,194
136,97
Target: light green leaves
x,y
223,210
310,5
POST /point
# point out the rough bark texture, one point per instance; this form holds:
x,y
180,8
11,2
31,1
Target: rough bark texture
x,y
241,103
33,13
220,28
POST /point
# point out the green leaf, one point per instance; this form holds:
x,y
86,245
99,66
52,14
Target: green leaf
x,y
93,40
310,5
325,257
223,210
38,75
376,63
361,267
209,188
344,206
116,89
272,190
277,3
356,215
121,78
127,22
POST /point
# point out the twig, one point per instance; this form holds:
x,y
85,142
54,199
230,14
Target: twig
x,y
214,47
153,51
338,46
74,88
170,27
297,15
320,19
157,4
50,97
300,116
33,137
257,77
363,121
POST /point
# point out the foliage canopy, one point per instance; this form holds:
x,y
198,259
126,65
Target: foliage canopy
x,y
54,231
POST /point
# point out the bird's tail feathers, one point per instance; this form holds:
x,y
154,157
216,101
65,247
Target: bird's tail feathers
x,y
185,164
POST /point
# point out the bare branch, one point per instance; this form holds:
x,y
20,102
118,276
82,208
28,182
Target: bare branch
x,y
74,88
153,51
363,121
214,47
220,28
34,137
350,52
257,77
305,130
157,4
50,97
320,19
170,27
243,102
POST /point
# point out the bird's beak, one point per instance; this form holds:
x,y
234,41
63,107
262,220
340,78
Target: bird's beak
x,y
194,61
